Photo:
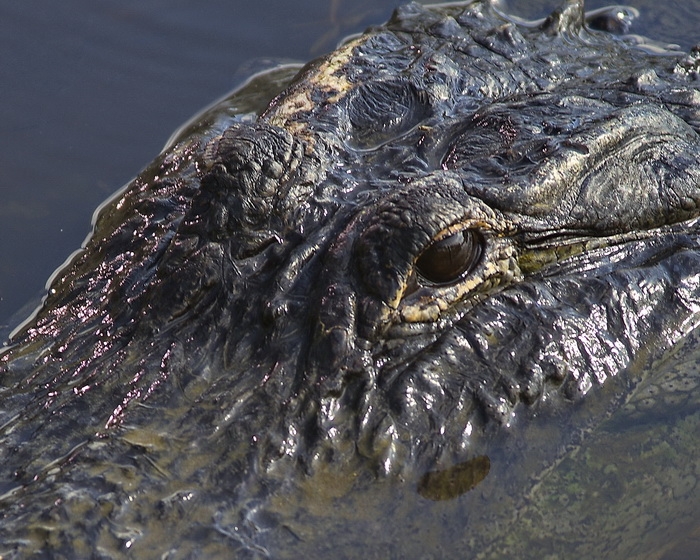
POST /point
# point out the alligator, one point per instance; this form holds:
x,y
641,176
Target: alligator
x,y
437,295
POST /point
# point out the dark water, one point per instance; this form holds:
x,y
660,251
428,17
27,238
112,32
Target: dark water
x,y
90,91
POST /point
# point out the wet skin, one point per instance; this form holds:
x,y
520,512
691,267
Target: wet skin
x,y
433,281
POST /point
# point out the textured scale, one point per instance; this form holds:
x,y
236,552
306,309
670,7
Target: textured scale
x,y
281,341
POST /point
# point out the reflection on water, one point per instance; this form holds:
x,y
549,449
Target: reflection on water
x,y
448,484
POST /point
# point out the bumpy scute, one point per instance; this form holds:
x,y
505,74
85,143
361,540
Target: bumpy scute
x,y
423,289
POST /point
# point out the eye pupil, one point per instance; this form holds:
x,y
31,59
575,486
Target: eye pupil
x,y
449,258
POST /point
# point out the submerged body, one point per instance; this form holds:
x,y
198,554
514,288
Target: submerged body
x,y
409,308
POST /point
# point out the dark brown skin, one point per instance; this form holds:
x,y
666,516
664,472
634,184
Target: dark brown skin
x,y
444,262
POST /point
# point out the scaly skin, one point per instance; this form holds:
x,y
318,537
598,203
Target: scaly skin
x,y
261,350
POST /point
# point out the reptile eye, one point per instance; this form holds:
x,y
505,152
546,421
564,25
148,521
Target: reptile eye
x,y
445,260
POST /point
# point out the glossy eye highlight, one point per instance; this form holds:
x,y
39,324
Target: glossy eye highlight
x,y
447,259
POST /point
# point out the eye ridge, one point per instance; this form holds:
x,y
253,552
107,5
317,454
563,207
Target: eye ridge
x,y
448,259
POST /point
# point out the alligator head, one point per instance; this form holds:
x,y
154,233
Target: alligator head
x,y
450,225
